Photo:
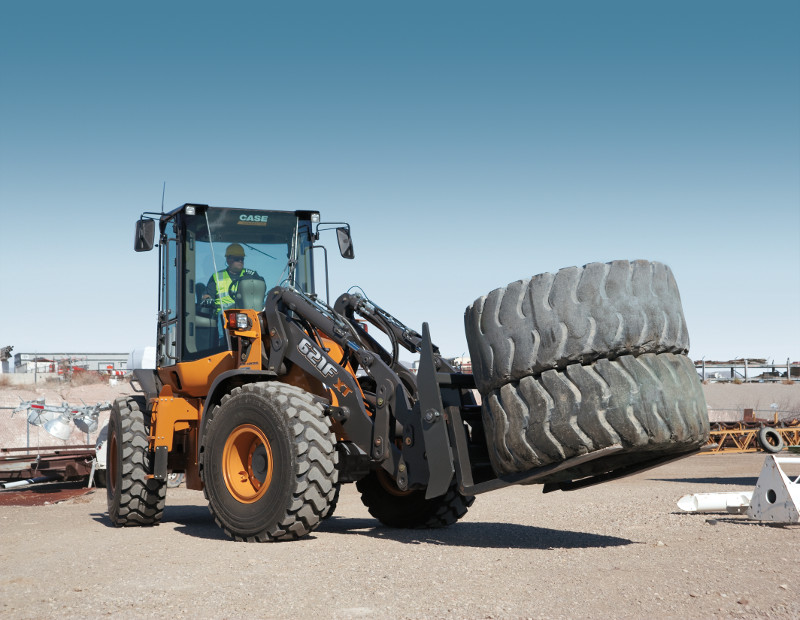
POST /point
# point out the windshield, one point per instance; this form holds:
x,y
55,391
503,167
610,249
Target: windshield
x,y
264,239
231,258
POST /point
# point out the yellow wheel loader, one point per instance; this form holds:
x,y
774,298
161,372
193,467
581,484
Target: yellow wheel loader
x,y
268,399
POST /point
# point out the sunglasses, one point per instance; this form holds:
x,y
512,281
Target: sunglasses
x,y
235,258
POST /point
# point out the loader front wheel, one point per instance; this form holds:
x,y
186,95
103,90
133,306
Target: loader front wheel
x,y
133,498
268,463
409,509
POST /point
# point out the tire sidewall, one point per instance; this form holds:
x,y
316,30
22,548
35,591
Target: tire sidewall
x,y
114,463
259,410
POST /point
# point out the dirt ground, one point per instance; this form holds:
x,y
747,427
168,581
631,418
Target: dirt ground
x,y
621,549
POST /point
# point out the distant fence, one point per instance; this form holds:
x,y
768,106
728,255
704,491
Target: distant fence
x,y
747,371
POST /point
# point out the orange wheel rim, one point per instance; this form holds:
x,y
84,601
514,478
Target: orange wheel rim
x,y
247,463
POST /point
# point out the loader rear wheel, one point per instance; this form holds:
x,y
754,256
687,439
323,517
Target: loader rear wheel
x,y
651,405
577,315
410,509
133,498
268,462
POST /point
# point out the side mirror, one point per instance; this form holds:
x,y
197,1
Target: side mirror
x,y
345,242
145,234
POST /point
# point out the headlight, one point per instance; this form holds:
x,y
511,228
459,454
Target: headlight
x,y
242,322
238,321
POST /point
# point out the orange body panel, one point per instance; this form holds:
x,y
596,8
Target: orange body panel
x,y
194,378
170,414
173,415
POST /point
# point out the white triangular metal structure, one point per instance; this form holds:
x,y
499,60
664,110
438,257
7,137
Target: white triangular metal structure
x,y
776,497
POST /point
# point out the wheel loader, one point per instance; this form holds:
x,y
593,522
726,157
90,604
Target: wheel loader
x,y
268,399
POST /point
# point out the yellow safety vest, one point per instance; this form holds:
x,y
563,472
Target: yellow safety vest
x,y
224,283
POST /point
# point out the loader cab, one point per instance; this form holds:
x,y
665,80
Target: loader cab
x,y
194,244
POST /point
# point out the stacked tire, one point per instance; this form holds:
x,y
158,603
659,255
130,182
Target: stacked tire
x,y
585,359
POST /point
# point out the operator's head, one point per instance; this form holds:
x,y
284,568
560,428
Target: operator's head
x,y
234,254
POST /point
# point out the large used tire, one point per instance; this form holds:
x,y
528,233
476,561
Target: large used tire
x,y
133,498
410,509
770,440
651,405
577,315
268,462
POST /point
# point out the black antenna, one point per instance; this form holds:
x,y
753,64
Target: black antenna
x,y
163,191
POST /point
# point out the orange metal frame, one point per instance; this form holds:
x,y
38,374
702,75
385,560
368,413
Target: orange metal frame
x,y
741,438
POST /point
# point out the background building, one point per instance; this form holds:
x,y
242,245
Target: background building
x,y
56,363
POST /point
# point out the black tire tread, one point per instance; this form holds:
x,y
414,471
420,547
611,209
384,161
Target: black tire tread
x,y
577,315
331,509
646,404
100,478
141,499
412,511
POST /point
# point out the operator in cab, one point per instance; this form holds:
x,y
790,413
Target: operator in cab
x,y
222,286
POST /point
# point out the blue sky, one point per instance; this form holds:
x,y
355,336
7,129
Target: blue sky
x,y
469,144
